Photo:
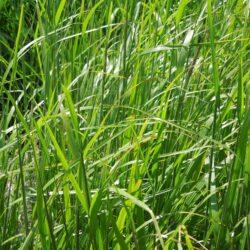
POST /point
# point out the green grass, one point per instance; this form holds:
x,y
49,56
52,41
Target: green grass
x,y
124,124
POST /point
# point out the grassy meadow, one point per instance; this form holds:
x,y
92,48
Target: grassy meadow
x,y
124,124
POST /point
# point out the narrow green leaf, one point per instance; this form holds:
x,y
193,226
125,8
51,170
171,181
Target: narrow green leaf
x,y
180,11
89,16
142,205
59,11
68,172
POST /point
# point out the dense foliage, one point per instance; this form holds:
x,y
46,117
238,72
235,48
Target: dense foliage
x,y
124,124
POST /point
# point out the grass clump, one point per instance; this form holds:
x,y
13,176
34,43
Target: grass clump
x,y
124,124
